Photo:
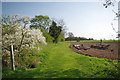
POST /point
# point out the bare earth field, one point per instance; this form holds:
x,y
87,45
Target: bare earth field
x,y
112,52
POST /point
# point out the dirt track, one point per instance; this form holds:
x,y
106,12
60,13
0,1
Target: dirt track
x,y
112,52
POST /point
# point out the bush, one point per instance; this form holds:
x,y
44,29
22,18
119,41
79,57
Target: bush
x,y
28,58
61,38
47,36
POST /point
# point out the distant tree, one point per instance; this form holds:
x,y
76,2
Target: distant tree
x,y
40,22
90,39
55,31
70,34
61,22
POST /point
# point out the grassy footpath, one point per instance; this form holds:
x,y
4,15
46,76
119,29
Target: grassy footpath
x,y
59,61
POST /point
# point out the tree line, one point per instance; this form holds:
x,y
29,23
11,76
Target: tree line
x,y
71,37
53,30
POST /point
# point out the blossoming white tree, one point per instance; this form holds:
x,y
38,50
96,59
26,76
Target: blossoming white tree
x,y
14,32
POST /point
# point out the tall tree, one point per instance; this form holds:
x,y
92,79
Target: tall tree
x,y
43,23
40,21
55,31
61,22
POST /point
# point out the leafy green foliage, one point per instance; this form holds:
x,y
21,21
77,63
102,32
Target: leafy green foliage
x,y
51,30
61,37
40,22
27,58
55,31
48,37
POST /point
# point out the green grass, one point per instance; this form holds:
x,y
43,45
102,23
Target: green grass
x,y
59,61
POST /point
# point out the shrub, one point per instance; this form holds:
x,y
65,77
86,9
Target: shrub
x,y
61,37
47,36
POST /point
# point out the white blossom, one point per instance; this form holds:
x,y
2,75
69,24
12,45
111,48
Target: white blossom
x,y
31,38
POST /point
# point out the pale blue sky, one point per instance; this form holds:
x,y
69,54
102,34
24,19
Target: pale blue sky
x,y
51,0
86,19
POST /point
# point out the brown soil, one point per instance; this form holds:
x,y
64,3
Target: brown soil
x,y
111,53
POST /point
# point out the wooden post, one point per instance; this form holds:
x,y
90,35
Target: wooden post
x,y
12,57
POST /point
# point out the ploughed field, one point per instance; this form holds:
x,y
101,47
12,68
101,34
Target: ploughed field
x,y
109,50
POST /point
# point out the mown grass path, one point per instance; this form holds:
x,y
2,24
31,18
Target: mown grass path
x,y
59,61
60,57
